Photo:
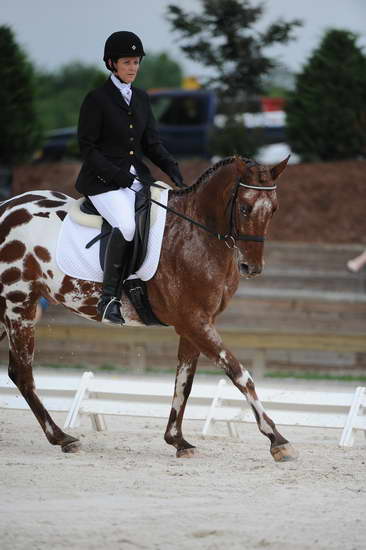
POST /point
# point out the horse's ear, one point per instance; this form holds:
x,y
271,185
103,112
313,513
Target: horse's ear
x,y
279,168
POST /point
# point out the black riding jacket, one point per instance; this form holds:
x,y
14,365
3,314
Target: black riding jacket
x,y
113,136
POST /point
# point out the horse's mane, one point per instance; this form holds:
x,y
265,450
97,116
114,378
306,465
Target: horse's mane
x,y
207,174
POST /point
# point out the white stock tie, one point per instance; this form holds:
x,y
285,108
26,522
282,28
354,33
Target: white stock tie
x,y
125,89
127,93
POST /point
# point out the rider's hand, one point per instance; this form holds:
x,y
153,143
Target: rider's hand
x,y
148,180
176,177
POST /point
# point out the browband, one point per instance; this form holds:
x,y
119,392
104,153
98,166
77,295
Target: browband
x,y
261,188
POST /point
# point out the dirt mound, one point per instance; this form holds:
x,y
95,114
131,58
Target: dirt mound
x,y
321,202
57,176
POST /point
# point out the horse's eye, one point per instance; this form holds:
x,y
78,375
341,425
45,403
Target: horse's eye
x,y
245,210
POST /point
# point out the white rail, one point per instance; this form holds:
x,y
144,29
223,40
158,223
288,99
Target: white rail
x,y
98,397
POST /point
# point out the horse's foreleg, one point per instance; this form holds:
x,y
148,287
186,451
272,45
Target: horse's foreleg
x,y
187,356
21,346
209,342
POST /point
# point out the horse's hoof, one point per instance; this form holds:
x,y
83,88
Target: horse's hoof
x,y
186,453
72,447
284,453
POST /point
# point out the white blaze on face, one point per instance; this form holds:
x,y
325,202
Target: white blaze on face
x,y
262,208
250,194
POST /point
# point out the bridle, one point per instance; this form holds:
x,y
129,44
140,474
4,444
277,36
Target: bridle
x,y
232,236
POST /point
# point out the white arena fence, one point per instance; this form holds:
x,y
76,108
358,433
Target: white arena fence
x,y
98,397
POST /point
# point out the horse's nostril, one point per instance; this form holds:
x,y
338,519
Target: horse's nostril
x,y
249,270
244,268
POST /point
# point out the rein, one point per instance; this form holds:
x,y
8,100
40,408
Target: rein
x,y
233,233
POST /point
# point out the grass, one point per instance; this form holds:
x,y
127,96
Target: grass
x,y
315,376
149,370
78,366
118,368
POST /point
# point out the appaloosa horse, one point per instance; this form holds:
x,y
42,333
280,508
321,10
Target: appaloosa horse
x,y
197,275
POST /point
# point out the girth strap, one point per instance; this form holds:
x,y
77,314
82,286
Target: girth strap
x,y
136,291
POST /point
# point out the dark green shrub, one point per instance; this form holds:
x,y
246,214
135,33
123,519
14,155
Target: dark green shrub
x,y
326,113
20,130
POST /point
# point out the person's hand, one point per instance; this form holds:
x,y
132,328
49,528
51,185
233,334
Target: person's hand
x,y
147,180
176,177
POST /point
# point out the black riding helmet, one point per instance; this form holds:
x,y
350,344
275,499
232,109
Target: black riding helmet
x,y
122,44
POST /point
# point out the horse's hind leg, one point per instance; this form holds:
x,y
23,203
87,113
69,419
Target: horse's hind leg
x,y
187,356
21,346
207,339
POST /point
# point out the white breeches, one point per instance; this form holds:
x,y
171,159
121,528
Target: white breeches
x,y
118,208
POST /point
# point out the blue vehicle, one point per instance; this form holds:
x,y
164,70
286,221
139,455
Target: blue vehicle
x,y
60,144
184,119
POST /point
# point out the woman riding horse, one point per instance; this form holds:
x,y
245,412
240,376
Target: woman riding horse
x,y
116,128
214,233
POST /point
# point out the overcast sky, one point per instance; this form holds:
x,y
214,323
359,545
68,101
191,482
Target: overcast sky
x,y
57,32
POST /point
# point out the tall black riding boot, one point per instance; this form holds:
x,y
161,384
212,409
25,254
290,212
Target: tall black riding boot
x,y
115,264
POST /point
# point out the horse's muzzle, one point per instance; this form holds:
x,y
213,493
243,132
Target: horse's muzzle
x,y
249,270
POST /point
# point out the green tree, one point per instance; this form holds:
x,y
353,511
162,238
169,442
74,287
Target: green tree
x,y
20,131
326,113
224,38
61,92
159,71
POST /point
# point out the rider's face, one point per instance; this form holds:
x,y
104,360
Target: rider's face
x,y
127,68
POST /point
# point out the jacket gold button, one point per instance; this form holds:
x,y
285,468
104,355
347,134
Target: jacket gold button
x,y
131,152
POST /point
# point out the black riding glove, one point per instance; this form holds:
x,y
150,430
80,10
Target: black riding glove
x,y
147,180
176,177
126,179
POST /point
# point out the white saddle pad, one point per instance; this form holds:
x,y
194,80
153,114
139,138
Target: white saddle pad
x,y
83,263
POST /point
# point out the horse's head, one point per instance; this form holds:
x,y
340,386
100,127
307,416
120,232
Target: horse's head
x,y
254,203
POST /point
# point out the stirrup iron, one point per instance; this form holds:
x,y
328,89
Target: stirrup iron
x,y
104,318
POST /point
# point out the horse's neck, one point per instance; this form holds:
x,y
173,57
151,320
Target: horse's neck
x,y
206,204
211,200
